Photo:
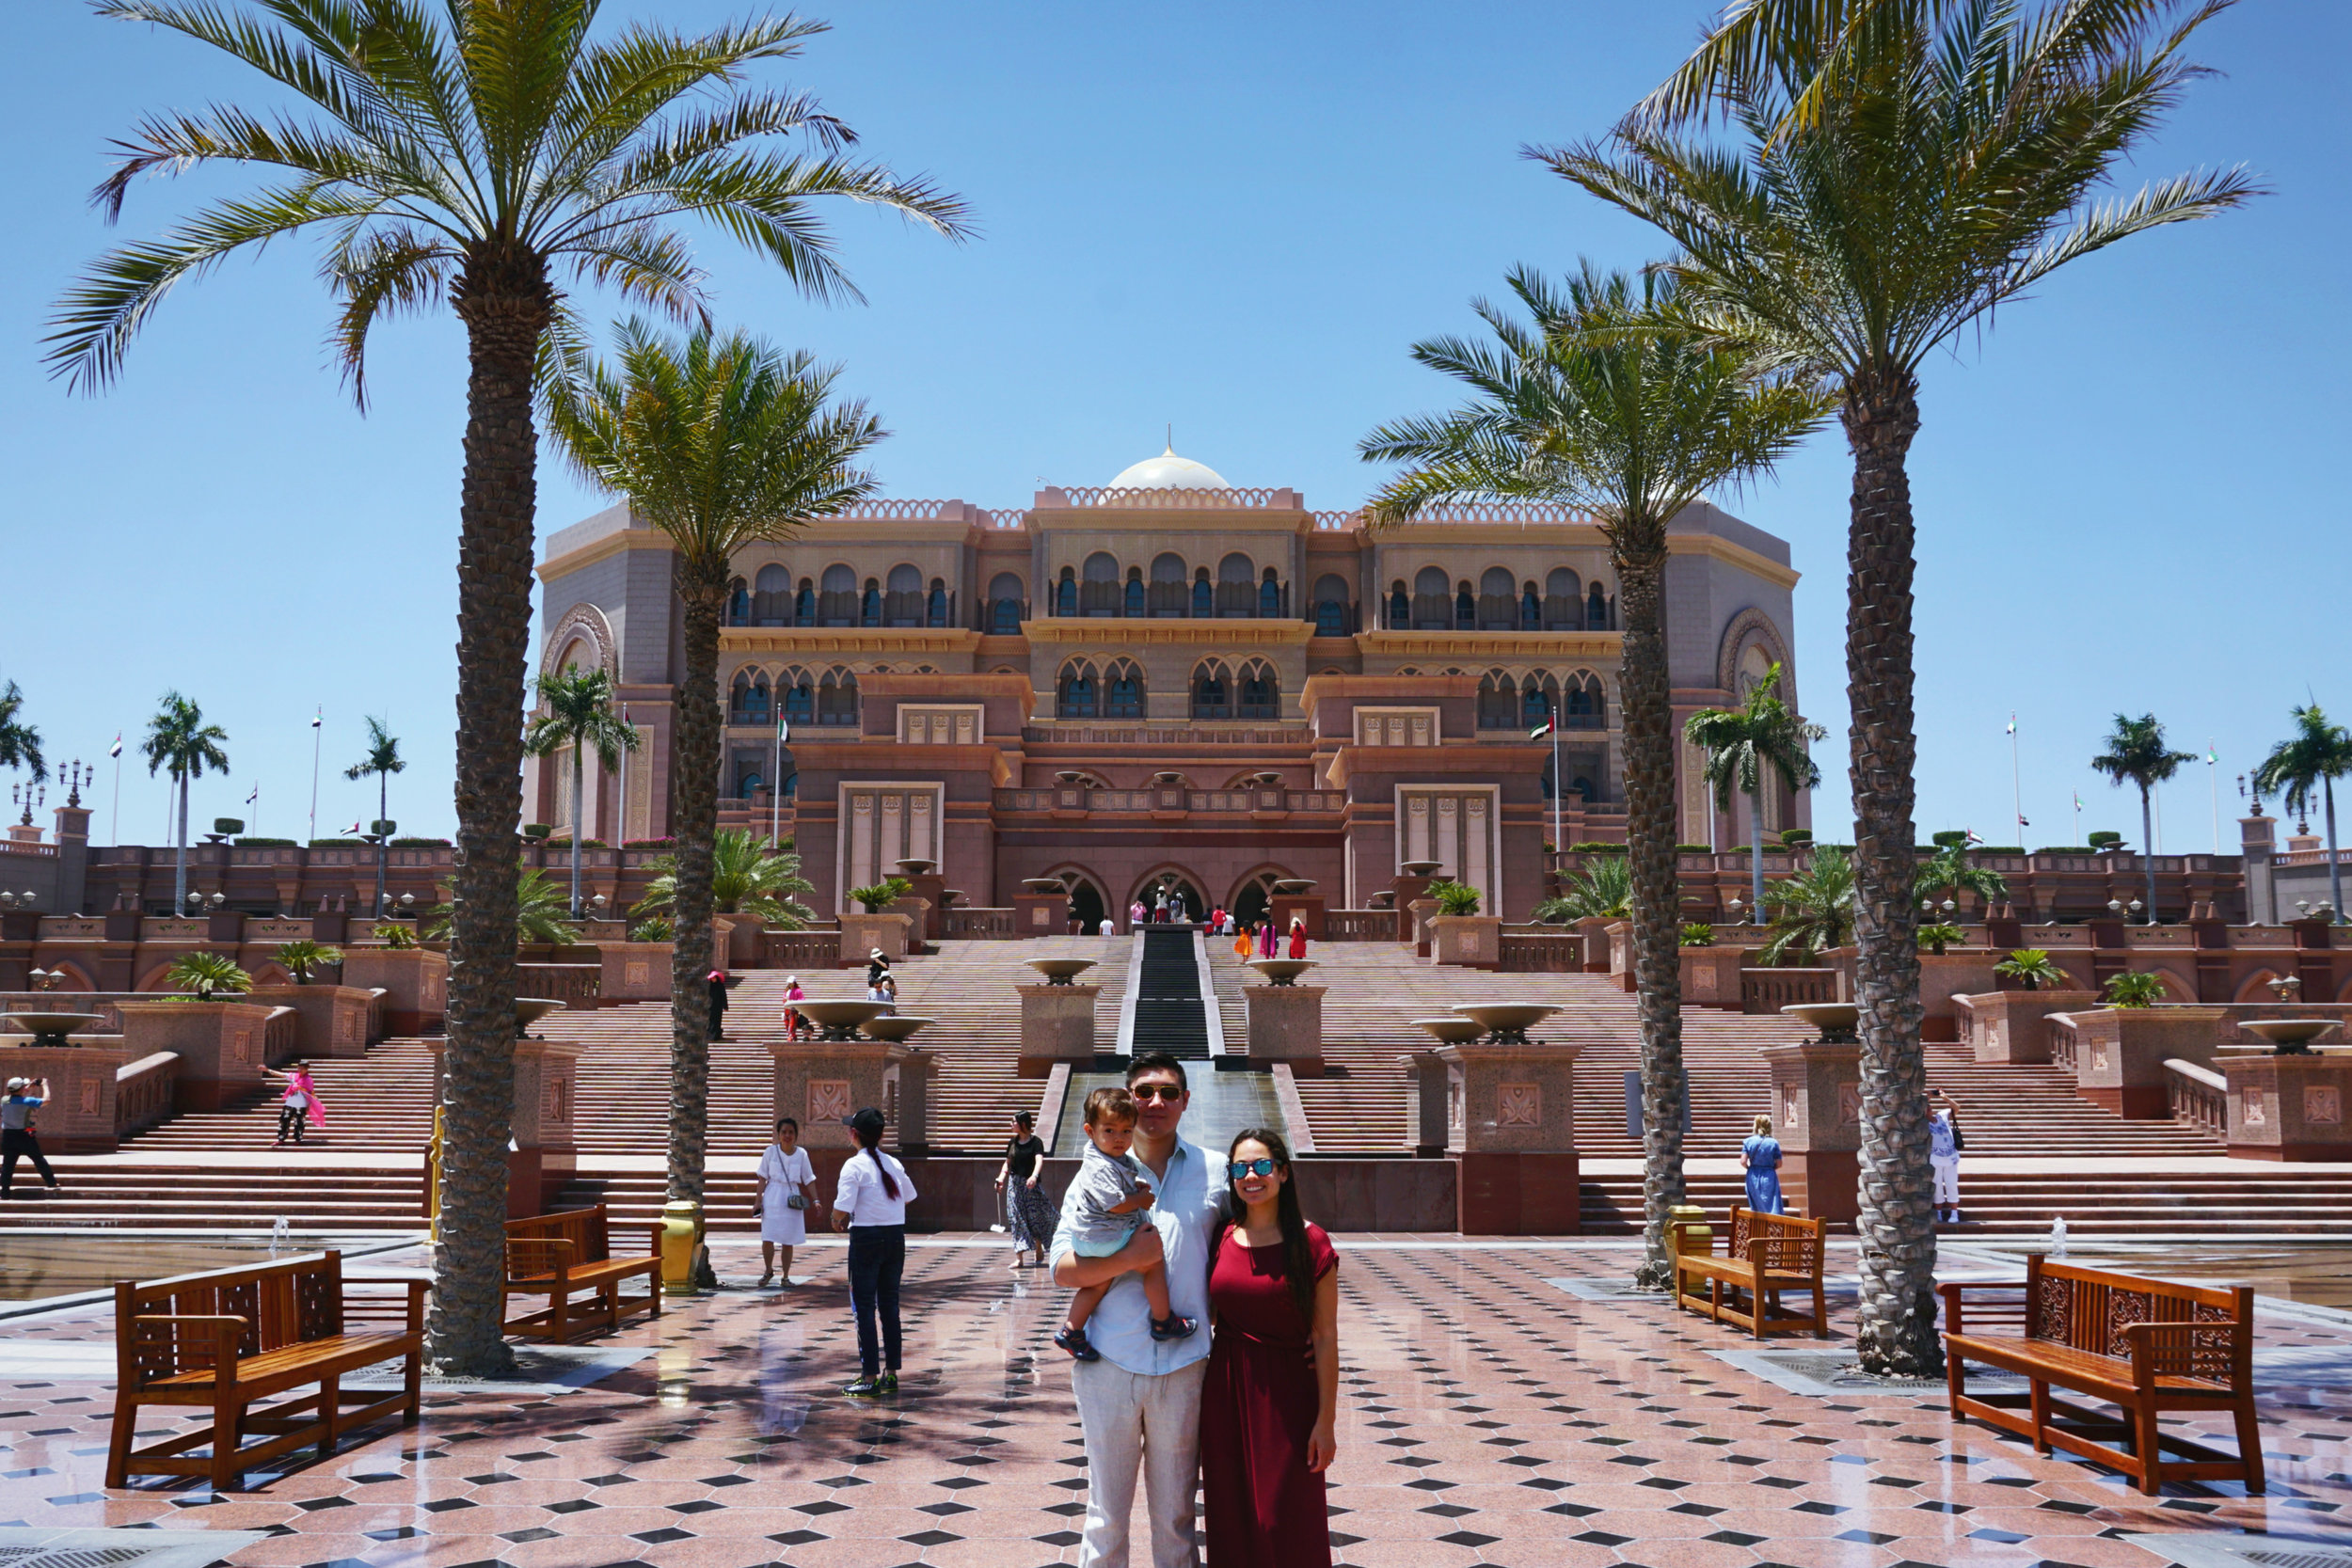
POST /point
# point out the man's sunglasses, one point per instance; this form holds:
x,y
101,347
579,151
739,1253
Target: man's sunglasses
x,y
1259,1166
1168,1092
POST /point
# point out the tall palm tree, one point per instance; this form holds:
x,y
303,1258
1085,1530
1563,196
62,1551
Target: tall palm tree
x,y
20,743
1595,403
471,155
382,760
1812,908
1896,171
1742,746
2317,755
578,712
749,874
180,742
721,442
2136,754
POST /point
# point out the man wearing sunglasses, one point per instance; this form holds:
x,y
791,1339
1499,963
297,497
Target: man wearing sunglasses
x,y
1139,1406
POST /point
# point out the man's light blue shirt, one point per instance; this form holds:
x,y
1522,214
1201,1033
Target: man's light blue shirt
x,y
1185,1203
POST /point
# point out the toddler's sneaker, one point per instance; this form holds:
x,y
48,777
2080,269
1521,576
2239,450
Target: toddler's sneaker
x,y
1074,1340
1174,1326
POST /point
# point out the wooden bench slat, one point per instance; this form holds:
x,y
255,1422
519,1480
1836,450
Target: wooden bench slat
x,y
553,1256
1764,1254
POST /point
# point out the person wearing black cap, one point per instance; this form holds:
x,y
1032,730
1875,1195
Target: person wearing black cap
x,y
870,1201
718,1005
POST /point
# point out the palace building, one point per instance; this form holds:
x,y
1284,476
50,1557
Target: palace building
x,y
1166,681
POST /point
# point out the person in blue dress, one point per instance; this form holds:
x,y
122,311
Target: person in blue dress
x,y
1759,1156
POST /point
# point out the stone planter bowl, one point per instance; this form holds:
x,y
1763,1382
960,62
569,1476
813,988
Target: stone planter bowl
x,y
1060,972
1043,885
1831,1020
894,1027
948,896
531,1009
1071,776
1383,900
1452,1031
1506,1019
1282,972
839,1018
50,1030
1421,868
915,868
1291,887
2289,1036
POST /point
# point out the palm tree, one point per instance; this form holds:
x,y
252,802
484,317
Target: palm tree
x,y
748,876
382,760
1950,870
2136,754
1812,908
538,911
20,743
181,743
469,156
1897,169
721,443
2315,758
205,976
1597,404
1740,744
1603,890
579,714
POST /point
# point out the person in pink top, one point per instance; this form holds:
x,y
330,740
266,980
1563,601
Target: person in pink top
x,y
1269,940
300,1105
793,1022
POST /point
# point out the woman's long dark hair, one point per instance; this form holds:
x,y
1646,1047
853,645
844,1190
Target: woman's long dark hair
x,y
872,1146
1299,1259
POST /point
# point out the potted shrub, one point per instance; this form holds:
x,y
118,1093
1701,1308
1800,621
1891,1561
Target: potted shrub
x,y
1697,933
2032,968
216,1031
874,924
1458,934
335,1017
2134,990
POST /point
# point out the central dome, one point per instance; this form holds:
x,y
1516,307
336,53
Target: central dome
x,y
1169,471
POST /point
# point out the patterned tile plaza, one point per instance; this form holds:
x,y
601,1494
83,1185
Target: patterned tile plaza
x,y
1489,1417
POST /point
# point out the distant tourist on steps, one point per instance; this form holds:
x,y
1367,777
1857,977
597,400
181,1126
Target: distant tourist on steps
x,y
1759,1156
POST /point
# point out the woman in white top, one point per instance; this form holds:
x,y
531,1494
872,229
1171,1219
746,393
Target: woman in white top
x,y
870,1201
787,1187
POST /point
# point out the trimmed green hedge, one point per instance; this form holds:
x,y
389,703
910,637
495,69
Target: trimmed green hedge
x,y
339,844
263,844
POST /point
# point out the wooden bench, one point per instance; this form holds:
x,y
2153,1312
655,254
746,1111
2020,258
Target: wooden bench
x,y
2145,1346
555,1254
1764,1255
229,1338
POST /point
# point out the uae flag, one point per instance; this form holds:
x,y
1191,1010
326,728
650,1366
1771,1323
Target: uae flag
x,y
1540,731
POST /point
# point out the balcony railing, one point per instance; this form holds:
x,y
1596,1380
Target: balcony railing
x,y
1768,990
2197,1095
965,923
1541,952
810,949
1079,798
145,1092
575,985
1359,924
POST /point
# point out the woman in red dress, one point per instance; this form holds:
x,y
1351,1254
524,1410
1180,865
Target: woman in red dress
x,y
1298,938
1267,1411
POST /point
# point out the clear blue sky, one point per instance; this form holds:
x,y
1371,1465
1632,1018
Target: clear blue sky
x,y
1233,219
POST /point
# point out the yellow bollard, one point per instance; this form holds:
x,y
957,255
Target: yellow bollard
x,y
433,1175
1695,1239
681,1240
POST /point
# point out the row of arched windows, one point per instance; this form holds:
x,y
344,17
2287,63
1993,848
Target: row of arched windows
x,y
1500,603
1116,691
1507,702
829,698
837,599
1172,592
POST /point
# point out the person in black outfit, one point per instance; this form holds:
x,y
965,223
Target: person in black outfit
x,y
876,967
718,1005
1027,1214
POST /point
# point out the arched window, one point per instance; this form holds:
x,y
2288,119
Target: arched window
x,y
1003,603
837,605
935,606
739,603
836,699
1530,608
1563,604
1498,601
739,699
1098,588
1597,610
1167,587
1498,701
903,597
1132,605
800,697
1465,607
1330,606
1433,604
1066,593
1203,595
869,609
748,784
804,604
1539,698
1212,691
1075,695
1582,704
1236,585
1400,607
771,592
1269,597
1122,691
1260,691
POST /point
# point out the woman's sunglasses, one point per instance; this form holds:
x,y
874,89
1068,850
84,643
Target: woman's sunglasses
x,y
1259,1166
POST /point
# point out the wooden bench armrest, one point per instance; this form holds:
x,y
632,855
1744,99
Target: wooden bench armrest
x,y
2141,1338
654,1230
227,1329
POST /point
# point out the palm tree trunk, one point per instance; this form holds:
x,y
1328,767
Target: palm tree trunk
x,y
2335,872
2147,850
702,589
1895,1330
179,873
580,819
505,302
1649,834
1756,855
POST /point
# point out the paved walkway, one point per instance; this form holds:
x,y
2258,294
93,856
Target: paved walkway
x,y
1490,1414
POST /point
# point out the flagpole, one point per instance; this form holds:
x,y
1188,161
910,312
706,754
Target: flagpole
x,y
620,828
2213,778
1559,785
2016,778
114,832
775,781
318,715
